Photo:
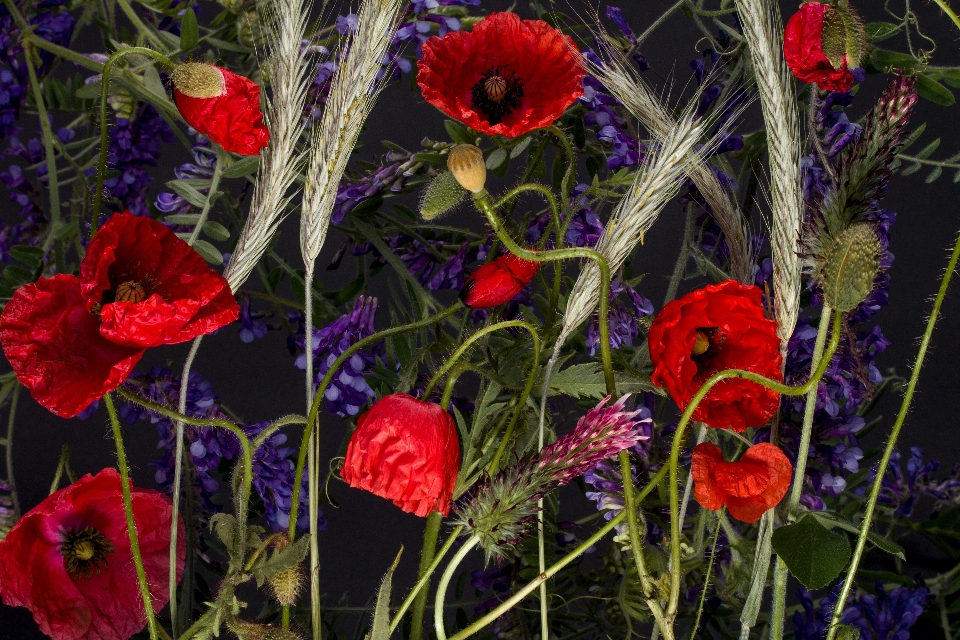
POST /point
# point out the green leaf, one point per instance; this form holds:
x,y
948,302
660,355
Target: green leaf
x,y
831,520
89,91
951,76
813,553
183,218
188,193
520,148
879,31
933,175
216,231
289,557
586,381
909,140
929,149
189,31
381,613
933,91
347,293
153,83
243,167
15,276
228,46
32,256
225,526
457,132
209,252
884,60
497,158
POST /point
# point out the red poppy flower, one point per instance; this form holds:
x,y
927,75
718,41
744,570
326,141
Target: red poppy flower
x,y
70,340
803,49
498,282
508,76
221,105
68,560
405,450
718,327
748,487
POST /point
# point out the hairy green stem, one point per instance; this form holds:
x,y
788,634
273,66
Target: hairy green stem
x,y
950,12
706,579
892,441
679,438
424,579
131,522
445,582
138,23
430,535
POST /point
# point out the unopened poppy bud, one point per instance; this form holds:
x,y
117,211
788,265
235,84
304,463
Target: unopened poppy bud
x,y
847,632
498,282
467,165
221,105
850,267
286,585
822,43
843,36
442,195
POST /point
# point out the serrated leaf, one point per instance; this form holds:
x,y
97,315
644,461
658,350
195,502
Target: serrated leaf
x,y
496,158
381,612
209,252
457,132
216,231
289,557
812,553
189,30
933,175
243,167
586,381
183,218
933,91
188,193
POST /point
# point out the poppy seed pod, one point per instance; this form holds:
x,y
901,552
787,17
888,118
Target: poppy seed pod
x,y
748,487
221,105
407,451
498,282
467,165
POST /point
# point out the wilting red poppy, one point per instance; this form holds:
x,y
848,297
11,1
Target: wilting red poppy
x,y
221,105
70,340
718,327
68,560
508,76
803,49
405,450
748,487
498,282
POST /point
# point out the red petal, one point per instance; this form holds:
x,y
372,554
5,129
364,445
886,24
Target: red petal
x,y
55,348
407,451
541,56
179,283
498,282
705,456
232,120
755,483
803,50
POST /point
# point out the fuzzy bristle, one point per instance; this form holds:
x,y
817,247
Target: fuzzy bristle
x,y
198,80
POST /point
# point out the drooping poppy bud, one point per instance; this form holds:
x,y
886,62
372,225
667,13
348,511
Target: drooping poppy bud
x,y
748,487
221,105
466,163
497,282
407,451
822,43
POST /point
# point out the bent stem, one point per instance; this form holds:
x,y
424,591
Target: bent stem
x,y
430,535
892,441
131,523
680,437
445,582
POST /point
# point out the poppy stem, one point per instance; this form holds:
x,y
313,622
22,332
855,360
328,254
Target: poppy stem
x,y
427,552
128,512
892,441
424,578
104,96
680,437
445,582
950,12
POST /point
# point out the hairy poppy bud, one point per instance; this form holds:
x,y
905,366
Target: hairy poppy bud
x,y
850,267
497,282
407,451
821,43
442,195
748,487
221,105
467,165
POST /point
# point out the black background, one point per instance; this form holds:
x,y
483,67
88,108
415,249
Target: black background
x,y
259,380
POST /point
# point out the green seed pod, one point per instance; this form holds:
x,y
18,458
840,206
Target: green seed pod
x,y
843,36
443,194
286,585
850,267
846,632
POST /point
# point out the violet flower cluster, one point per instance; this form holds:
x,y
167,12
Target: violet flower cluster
x,y
202,168
623,320
901,491
884,616
134,145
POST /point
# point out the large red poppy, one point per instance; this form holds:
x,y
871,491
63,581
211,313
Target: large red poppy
x,y
498,282
68,560
508,76
70,340
407,451
803,49
221,105
748,487
718,327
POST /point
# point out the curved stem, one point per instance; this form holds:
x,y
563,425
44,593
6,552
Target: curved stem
x,y
950,12
571,159
430,535
892,441
318,397
104,96
425,578
679,438
131,522
444,583
538,188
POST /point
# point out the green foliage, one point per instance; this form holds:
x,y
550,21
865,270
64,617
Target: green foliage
x,y
813,553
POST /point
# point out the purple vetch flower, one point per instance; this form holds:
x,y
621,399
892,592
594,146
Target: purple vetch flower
x,y
348,391
902,491
202,168
394,169
251,327
585,226
623,321
615,14
603,119
134,144
884,616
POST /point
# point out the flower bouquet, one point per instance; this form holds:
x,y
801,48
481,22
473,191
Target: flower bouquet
x,y
495,372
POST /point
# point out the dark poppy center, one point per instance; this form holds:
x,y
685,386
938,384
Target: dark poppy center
x,y
130,292
85,552
706,347
496,94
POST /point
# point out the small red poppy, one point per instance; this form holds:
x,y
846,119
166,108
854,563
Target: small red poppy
x,y
498,282
508,76
407,451
70,340
221,105
68,560
748,487
803,49
718,327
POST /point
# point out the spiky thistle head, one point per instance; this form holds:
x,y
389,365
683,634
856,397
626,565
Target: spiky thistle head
x,y
501,510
